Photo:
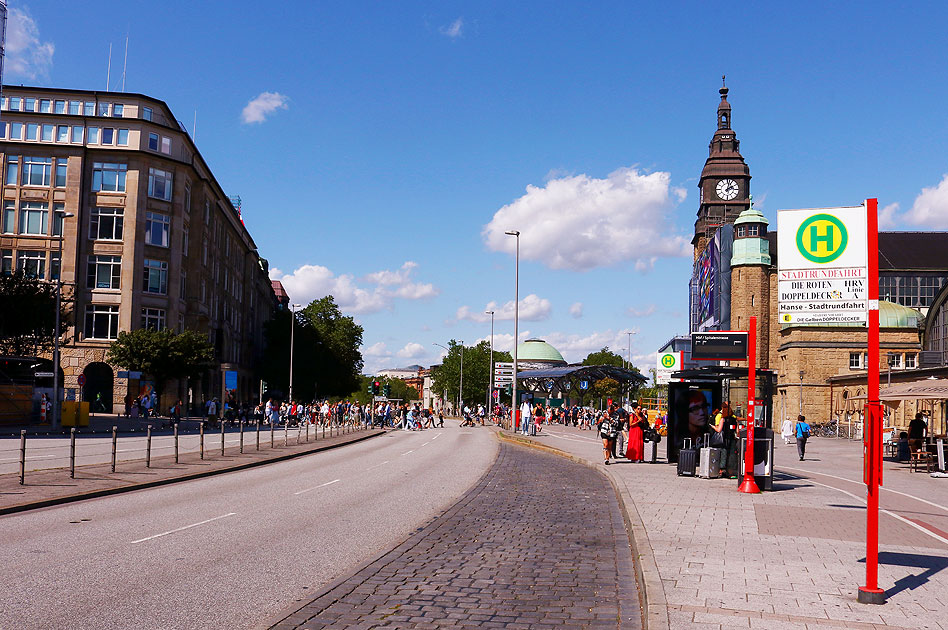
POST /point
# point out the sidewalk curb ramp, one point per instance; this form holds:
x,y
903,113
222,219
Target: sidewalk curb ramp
x,y
82,496
654,603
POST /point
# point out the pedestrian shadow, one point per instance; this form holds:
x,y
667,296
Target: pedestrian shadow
x,y
931,564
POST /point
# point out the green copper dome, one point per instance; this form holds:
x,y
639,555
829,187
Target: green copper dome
x,y
539,350
751,215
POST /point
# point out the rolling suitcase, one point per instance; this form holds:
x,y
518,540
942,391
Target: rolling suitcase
x,y
687,460
651,452
711,460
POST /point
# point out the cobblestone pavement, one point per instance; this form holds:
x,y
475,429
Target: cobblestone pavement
x,y
539,542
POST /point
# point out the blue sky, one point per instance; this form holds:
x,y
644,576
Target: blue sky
x,y
381,149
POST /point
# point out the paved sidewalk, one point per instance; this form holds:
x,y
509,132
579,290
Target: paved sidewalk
x,y
713,558
538,543
54,486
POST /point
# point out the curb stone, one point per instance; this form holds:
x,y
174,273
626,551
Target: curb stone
x,y
651,588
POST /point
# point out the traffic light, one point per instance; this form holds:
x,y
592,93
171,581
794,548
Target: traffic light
x,y
387,390
371,388
376,387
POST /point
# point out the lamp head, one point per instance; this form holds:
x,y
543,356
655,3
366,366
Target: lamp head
x,y
512,232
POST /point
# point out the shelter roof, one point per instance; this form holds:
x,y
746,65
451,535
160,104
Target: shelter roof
x,y
571,374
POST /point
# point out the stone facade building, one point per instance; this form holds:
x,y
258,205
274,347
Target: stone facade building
x,y
820,368
148,237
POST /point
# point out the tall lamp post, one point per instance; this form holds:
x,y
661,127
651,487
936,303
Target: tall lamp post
x,y
513,399
630,333
293,308
490,364
461,386
61,217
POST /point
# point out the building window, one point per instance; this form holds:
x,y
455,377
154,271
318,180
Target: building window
x,y
108,177
105,224
203,291
740,231
156,277
146,113
3,130
108,135
153,141
894,360
16,131
46,106
74,107
29,104
101,321
207,212
855,361
122,138
204,251
54,265
911,360
59,210
6,263
32,263
9,217
61,165
93,135
118,110
34,217
60,107
183,287
14,103
157,229
48,131
77,134
32,131
62,133
89,109
187,199
13,170
159,184
752,230
36,171
153,318
103,109
185,240
166,145
104,272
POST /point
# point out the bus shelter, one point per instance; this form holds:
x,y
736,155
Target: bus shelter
x,y
575,381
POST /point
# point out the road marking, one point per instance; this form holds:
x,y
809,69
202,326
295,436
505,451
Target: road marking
x,y
407,452
322,485
860,483
181,529
377,465
435,437
908,522
426,443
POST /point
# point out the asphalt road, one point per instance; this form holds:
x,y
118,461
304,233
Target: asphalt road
x,y
234,550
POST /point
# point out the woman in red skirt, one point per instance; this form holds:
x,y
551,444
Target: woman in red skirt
x,y
638,421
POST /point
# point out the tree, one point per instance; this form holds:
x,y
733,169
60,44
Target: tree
x,y
340,337
162,354
607,388
477,368
28,315
604,357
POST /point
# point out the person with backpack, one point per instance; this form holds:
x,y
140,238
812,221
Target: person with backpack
x,y
608,430
803,434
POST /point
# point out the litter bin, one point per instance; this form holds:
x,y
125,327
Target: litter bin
x,y
763,457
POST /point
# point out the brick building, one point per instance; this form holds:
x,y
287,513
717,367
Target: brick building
x,y
819,367
148,237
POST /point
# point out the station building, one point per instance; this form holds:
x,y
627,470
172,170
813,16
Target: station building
x,y
821,369
152,240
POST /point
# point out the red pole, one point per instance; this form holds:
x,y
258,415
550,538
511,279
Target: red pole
x,y
872,437
748,485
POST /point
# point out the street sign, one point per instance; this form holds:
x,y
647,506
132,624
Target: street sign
x,y
506,365
134,374
503,380
496,393
823,274
81,380
667,362
548,384
43,374
584,384
719,346
122,374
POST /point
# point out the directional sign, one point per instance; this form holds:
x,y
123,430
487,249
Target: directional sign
x,y
43,374
134,374
506,365
719,346
584,384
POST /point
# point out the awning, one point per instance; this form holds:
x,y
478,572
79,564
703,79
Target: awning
x,y
572,378
924,389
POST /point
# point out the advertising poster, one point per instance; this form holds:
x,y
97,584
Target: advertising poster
x,y
230,388
689,414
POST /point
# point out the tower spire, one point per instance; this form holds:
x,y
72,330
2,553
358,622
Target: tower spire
x,y
724,108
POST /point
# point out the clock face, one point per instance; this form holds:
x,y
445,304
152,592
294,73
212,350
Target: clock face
x,y
727,189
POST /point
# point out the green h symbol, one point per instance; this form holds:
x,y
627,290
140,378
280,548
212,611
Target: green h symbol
x,y
826,238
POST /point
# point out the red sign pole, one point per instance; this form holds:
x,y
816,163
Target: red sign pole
x,y
748,485
872,436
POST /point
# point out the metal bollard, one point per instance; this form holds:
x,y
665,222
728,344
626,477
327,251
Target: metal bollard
x,y
114,445
202,439
258,435
271,433
307,431
176,443
72,453
324,431
148,449
22,455
241,436
286,432
299,432
222,437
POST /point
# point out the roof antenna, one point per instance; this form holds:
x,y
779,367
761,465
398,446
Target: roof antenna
x,y
108,72
125,63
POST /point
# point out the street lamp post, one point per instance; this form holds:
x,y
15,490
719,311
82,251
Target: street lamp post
x,y
630,333
801,392
513,400
293,308
461,386
490,364
57,404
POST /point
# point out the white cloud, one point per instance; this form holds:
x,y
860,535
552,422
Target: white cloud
x,y
887,219
532,309
632,311
453,30
311,282
580,222
376,350
262,106
412,350
931,207
576,310
26,55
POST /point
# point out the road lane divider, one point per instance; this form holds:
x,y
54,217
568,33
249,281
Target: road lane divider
x,y
407,452
322,485
181,529
377,465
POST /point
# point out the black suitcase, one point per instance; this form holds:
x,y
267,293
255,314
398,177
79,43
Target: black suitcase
x,y
687,460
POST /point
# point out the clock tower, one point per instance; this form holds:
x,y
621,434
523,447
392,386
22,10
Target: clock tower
x,y
724,187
